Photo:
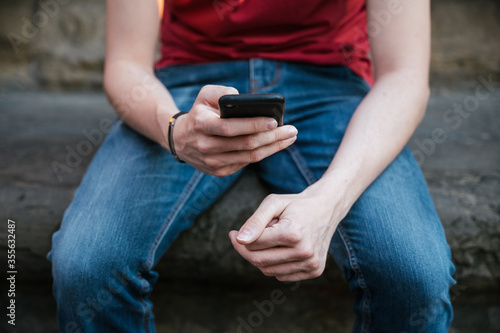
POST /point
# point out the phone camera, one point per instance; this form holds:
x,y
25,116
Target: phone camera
x,y
229,106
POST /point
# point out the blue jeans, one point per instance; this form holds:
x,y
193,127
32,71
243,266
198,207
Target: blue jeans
x,y
135,199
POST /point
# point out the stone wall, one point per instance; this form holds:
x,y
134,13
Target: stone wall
x,y
464,40
58,45
52,44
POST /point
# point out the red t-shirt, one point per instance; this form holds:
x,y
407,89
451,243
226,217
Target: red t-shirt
x,y
322,32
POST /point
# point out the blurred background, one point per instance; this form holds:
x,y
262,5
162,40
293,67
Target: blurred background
x,y
52,118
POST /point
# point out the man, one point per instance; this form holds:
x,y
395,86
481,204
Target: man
x,y
342,179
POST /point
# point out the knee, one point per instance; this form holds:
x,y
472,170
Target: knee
x,y
424,277
420,288
73,269
429,284
81,271
430,290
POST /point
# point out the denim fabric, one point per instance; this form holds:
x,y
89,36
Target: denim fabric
x,y
135,199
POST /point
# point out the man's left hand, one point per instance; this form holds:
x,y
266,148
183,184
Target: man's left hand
x,y
288,235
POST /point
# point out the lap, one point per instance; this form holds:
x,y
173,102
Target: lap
x,y
394,224
135,198
132,203
391,246
135,193
393,227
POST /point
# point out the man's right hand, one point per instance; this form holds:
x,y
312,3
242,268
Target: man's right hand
x,y
220,147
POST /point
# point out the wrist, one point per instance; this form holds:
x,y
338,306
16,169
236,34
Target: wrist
x,y
333,192
163,116
171,141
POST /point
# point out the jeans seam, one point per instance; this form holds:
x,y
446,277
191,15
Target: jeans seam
x,y
301,165
176,208
365,305
251,71
253,81
146,310
309,177
186,193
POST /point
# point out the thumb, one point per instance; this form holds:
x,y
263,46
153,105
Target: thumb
x,y
268,210
210,95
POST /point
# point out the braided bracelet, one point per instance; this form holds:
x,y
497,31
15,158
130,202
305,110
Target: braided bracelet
x,y
171,124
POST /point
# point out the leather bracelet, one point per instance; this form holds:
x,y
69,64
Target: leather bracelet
x,y
171,124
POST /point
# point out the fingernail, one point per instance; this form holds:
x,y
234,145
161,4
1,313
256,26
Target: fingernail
x,y
244,235
272,123
292,131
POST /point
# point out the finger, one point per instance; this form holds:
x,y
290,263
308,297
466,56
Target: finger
x,y
210,94
219,144
224,171
311,266
269,225
256,155
246,157
299,276
277,234
273,222
270,208
231,127
271,237
284,269
270,257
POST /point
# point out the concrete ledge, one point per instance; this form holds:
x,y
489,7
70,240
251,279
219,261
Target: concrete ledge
x,y
204,285
41,129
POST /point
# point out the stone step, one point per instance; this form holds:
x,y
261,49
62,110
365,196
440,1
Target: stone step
x,y
462,172
39,129
204,307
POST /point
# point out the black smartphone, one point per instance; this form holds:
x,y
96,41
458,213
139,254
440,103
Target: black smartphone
x,y
253,105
